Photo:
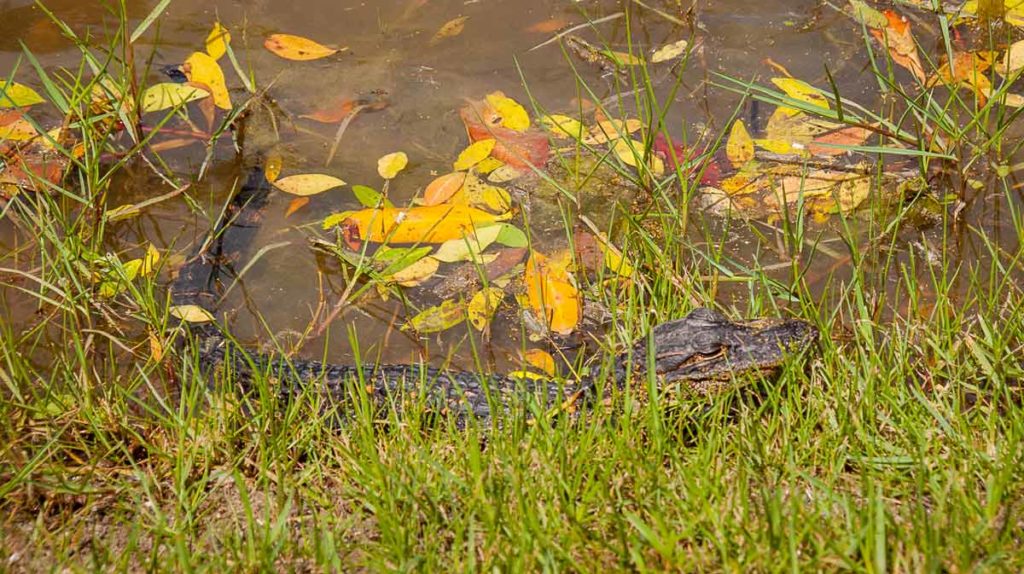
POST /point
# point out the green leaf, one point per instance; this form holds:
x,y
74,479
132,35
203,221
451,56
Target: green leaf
x,y
370,197
511,236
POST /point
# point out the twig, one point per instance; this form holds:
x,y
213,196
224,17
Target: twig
x,y
341,132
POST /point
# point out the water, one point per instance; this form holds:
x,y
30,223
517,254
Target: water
x,y
390,52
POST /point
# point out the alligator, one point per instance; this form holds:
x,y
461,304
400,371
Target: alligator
x,y
702,352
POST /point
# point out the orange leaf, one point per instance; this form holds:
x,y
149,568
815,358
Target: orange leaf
x,y
854,135
298,48
552,294
433,224
897,38
333,113
549,25
442,188
295,205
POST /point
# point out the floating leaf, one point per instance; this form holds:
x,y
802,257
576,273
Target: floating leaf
x,y
14,127
822,191
435,319
511,236
867,15
308,183
477,193
487,165
513,115
1012,60
15,95
483,305
669,52
416,272
433,224
474,154
166,95
468,248
295,205
562,127
897,38
274,165
628,151
202,69
191,313
369,197
800,90
552,294
218,40
609,130
622,59
740,148
297,48
389,165
540,360
504,174
851,136
149,261
443,187
450,29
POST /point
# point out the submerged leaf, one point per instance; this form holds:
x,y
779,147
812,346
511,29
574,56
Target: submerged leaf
x,y
483,305
434,319
669,52
450,29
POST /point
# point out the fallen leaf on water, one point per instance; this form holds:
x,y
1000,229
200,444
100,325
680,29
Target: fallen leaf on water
x,y
629,152
191,313
435,319
388,166
513,115
479,194
15,95
851,136
504,174
434,224
487,165
540,360
295,205
468,248
669,52
308,183
609,130
274,165
333,113
562,127
416,272
202,69
443,187
511,236
291,47
156,348
549,25
450,29
166,95
482,306
1012,60
897,38
552,294
149,261
801,90
217,41
822,191
739,148
474,154
867,15
369,197
14,127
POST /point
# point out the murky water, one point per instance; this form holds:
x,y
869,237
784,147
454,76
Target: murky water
x,y
390,52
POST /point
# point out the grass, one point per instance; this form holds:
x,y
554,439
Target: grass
x,y
896,445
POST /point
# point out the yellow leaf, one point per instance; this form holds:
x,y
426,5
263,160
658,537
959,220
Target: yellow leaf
x,y
191,313
307,183
297,48
541,360
150,260
444,316
487,165
481,195
17,130
468,248
800,90
168,95
474,154
623,58
483,305
156,348
552,295
609,130
389,165
273,168
417,272
739,148
504,174
218,40
562,127
669,52
202,69
433,224
613,258
513,115
15,95
450,29
628,151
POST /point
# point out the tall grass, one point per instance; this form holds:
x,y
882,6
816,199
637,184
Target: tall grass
x,y
895,445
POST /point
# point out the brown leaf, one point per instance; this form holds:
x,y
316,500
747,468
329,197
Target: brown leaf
x,y
450,29
899,41
333,113
550,25
295,205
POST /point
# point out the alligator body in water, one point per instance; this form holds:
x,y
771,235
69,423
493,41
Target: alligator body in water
x,y
702,352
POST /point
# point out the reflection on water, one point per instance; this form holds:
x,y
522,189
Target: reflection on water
x,y
389,52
